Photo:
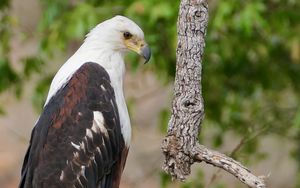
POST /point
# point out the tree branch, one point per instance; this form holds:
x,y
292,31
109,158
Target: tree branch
x,y
180,146
201,153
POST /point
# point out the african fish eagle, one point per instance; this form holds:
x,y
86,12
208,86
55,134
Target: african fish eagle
x,y
82,137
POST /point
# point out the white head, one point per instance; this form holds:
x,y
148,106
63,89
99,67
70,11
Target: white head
x,y
119,34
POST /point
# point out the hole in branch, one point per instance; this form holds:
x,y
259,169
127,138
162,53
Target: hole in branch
x,y
188,104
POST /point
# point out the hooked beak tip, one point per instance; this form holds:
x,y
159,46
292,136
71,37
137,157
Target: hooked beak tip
x,y
146,53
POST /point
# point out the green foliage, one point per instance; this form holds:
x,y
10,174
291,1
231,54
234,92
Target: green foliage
x,y
248,64
251,81
157,18
195,182
32,65
41,90
4,4
251,72
165,180
164,117
8,75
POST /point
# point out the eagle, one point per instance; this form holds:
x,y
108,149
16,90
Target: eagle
x,y
82,136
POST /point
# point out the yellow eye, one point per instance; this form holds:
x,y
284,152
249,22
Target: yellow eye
x,y
127,35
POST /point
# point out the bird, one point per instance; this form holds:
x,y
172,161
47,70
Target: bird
x,y
82,136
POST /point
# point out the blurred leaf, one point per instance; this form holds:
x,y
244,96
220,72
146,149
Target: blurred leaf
x,y
2,112
162,10
164,117
134,61
32,65
165,180
8,76
41,90
297,120
218,140
250,18
225,8
196,182
4,4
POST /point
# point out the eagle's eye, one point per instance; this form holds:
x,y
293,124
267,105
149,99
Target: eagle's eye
x,y
127,35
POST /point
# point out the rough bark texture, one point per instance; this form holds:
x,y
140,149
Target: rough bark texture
x,y
180,146
187,108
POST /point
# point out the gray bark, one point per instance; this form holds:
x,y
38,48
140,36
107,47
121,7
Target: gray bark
x,y
180,146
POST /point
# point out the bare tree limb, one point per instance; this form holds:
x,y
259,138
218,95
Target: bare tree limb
x,y
201,153
180,146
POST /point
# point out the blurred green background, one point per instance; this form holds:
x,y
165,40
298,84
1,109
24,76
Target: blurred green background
x,y
251,80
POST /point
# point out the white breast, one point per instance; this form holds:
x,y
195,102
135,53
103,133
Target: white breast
x,y
116,73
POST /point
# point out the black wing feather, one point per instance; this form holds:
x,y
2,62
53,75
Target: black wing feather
x,y
61,153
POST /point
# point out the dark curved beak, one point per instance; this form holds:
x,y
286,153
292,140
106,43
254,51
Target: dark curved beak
x,y
146,53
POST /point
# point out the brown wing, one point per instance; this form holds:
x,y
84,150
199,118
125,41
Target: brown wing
x,y
77,141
